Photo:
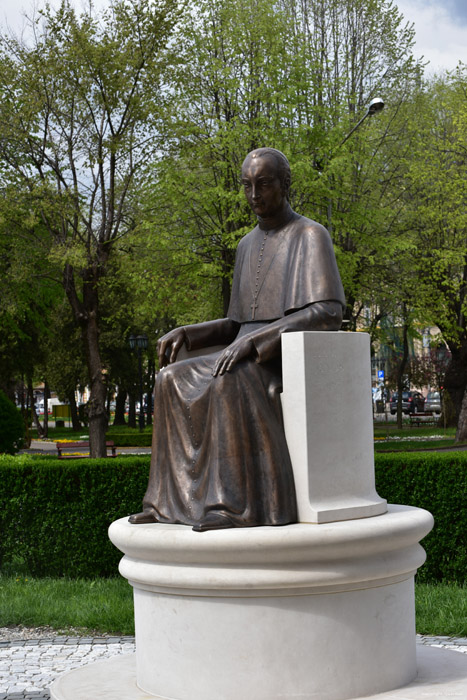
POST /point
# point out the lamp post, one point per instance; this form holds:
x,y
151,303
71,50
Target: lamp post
x,y
375,106
140,342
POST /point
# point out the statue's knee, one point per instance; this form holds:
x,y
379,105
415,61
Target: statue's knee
x,y
165,377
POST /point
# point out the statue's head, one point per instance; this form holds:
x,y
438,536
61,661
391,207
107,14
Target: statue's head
x,y
278,161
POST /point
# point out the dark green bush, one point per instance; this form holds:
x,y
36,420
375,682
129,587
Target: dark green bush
x,y
54,514
133,439
435,481
11,426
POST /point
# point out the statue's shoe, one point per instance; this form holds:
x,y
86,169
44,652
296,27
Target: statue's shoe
x,y
213,521
147,516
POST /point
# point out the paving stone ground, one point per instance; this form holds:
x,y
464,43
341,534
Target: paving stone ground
x,y
29,666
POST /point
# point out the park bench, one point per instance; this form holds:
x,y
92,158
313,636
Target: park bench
x,y
63,447
423,419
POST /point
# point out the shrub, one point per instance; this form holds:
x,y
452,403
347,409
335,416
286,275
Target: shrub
x,y
435,481
11,426
54,514
130,439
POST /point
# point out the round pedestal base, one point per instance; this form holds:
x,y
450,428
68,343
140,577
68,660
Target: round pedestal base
x,y
302,611
441,674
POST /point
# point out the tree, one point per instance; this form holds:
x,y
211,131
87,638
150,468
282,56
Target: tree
x,y
296,76
11,426
79,112
437,209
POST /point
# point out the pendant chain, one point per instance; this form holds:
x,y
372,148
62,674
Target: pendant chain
x,y
258,286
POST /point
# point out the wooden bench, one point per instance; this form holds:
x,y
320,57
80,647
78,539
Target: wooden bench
x,y
423,419
80,445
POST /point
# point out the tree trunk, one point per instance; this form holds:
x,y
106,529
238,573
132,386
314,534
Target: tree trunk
x,y
400,373
152,379
461,432
131,410
455,381
98,391
46,409
119,418
86,313
74,411
35,419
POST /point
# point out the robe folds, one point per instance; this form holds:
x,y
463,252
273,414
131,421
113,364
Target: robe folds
x,y
218,442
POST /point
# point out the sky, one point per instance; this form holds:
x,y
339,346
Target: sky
x,y
440,25
441,31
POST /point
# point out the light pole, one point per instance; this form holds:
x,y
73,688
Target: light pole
x,y
140,342
375,106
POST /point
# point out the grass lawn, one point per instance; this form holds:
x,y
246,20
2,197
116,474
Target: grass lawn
x,y
389,438
101,605
106,605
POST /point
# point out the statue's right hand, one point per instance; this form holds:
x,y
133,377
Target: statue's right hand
x,y
169,345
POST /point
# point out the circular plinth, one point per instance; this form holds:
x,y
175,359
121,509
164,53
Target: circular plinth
x,y
440,674
275,612
291,560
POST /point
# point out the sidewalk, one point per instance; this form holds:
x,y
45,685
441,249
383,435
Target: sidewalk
x,y
28,667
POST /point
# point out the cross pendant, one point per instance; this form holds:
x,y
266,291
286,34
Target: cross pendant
x,y
253,308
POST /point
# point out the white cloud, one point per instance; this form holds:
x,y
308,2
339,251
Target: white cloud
x,y
12,11
440,38
440,25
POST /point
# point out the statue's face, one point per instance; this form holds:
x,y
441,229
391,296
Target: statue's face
x,y
262,185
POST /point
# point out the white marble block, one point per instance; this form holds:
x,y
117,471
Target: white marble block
x,y
328,423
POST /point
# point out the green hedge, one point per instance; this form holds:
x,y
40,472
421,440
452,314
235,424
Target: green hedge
x,y
133,439
54,514
436,481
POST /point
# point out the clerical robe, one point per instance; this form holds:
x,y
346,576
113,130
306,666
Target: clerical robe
x,y
218,442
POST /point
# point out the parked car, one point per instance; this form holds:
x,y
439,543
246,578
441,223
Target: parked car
x,y
433,402
412,402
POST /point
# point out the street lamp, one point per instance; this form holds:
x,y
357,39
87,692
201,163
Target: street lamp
x,y
140,342
376,105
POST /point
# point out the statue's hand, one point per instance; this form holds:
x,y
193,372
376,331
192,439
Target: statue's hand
x,y
235,352
169,345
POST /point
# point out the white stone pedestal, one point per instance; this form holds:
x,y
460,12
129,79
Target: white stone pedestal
x,y
328,422
274,613
306,611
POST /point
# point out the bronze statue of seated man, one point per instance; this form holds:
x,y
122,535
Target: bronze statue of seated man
x,y
219,453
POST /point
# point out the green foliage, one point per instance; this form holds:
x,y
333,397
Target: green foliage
x,y
11,426
298,77
132,438
438,483
436,186
54,515
81,102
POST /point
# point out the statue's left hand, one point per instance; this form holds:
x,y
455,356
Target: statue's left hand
x,y
169,345
236,351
